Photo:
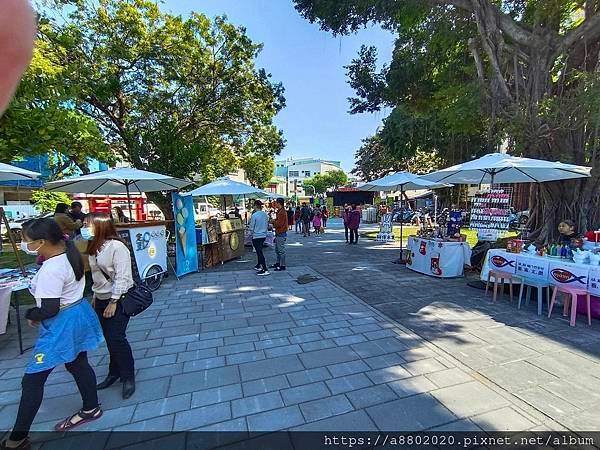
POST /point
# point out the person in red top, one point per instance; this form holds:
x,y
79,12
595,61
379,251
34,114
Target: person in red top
x,y
354,224
281,226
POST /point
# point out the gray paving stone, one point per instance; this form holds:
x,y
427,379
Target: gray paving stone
x,y
156,424
162,407
241,358
238,424
324,408
365,328
304,393
347,340
231,340
318,345
327,357
192,337
547,402
283,350
369,396
504,419
387,360
415,413
256,404
270,367
192,355
236,348
216,395
355,420
347,368
304,330
303,338
424,366
462,425
388,374
275,420
518,376
336,333
412,386
481,399
449,377
269,343
197,381
348,383
274,334
152,373
265,385
372,335
198,417
204,364
308,376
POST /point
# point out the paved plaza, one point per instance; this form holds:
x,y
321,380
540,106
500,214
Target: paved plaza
x,y
364,345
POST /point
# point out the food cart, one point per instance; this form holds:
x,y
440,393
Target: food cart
x,y
147,243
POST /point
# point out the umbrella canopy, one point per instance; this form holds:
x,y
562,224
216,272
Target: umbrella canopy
x,y
502,168
401,181
225,186
13,173
118,181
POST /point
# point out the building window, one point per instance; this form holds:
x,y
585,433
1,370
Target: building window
x,y
306,173
294,173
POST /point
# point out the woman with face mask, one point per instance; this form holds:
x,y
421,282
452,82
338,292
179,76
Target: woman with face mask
x,y
68,329
110,263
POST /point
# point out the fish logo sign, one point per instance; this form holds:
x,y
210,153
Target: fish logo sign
x,y
501,261
566,277
39,358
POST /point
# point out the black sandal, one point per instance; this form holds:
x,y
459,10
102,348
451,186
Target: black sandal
x,y
68,424
24,445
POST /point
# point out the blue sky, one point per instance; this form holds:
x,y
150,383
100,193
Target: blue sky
x,y
309,62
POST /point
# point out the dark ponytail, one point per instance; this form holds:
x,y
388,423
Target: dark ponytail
x,y
48,230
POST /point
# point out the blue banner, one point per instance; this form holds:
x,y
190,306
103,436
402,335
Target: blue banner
x,y
185,234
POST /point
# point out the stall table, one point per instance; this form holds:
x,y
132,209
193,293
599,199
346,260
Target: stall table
x,y
437,258
13,279
554,270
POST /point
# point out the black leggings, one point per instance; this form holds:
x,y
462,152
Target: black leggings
x,y
353,236
33,393
258,246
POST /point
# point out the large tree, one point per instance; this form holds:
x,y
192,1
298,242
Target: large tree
x,y
535,67
177,96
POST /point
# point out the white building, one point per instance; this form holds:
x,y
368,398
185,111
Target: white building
x,y
296,171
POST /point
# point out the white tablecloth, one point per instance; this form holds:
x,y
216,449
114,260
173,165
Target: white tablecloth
x,y
552,270
438,258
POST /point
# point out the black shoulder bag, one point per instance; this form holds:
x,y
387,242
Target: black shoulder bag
x,y
136,300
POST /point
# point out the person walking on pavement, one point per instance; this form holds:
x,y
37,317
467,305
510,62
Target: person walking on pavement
x,y
290,216
281,226
305,217
297,221
345,217
324,216
354,224
110,263
259,225
68,329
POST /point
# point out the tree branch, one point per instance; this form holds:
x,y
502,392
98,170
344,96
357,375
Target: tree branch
x,y
589,31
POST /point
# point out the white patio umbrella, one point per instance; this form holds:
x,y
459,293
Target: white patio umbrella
x,y
119,181
401,181
502,168
226,186
13,173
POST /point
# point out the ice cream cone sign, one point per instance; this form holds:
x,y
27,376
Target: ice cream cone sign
x,y
183,239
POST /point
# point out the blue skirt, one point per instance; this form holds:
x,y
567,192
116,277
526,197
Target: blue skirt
x,y
73,330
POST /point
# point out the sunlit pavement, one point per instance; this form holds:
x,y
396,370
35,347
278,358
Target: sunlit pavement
x,y
368,345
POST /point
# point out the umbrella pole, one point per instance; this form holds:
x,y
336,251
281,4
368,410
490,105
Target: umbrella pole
x,y
128,202
401,259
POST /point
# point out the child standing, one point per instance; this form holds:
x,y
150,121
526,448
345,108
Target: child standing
x,y
317,223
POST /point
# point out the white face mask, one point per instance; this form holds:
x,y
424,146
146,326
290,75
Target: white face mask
x,y
25,248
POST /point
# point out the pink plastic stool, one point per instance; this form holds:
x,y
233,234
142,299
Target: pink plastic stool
x,y
571,300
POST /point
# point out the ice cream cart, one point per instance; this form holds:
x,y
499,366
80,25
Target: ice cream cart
x,y
147,243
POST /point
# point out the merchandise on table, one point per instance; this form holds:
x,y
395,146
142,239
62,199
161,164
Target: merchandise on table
x,y
437,257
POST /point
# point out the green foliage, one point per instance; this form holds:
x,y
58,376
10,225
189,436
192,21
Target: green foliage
x,y
42,120
46,201
259,169
322,182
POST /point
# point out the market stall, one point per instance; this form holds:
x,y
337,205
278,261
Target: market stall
x,y
147,240
584,274
437,257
